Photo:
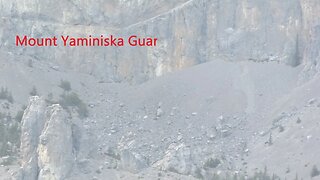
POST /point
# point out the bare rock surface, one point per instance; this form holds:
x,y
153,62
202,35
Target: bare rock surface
x,y
46,143
246,95
32,124
55,150
178,159
259,31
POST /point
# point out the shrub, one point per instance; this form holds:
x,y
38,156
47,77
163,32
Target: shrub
x,y
50,100
73,100
14,134
50,96
263,175
34,91
281,128
6,95
7,160
315,172
19,116
2,115
270,141
82,110
9,137
212,163
298,121
65,85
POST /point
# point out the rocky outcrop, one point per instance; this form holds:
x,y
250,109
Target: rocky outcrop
x,y
132,161
178,159
46,142
55,148
189,32
32,124
182,159
311,34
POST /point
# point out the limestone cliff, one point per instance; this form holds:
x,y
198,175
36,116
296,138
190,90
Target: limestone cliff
x,y
32,124
189,32
46,142
55,149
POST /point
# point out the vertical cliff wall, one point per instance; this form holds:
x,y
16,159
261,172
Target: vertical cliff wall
x,y
189,33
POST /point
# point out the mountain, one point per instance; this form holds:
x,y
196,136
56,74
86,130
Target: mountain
x,y
190,32
230,90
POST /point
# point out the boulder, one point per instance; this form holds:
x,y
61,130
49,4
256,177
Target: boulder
x,y
178,159
132,161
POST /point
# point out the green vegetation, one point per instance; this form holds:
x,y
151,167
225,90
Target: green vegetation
x,y
298,121
50,99
270,141
65,85
281,128
73,100
6,95
261,175
315,171
69,100
8,160
19,114
2,115
9,135
212,163
34,91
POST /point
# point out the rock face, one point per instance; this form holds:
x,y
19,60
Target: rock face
x,y
189,32
32,125
132,162
178,159
55,148
46,142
